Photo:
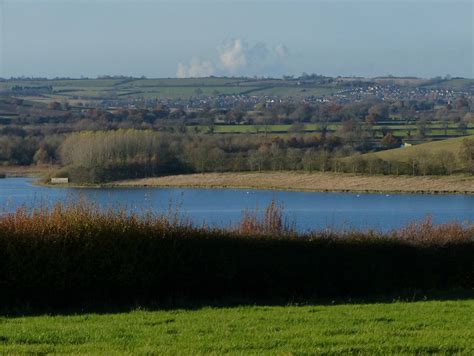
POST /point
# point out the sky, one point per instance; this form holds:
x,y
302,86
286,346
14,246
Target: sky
x,y
194,38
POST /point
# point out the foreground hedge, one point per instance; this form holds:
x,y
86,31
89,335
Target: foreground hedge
x,y
80,253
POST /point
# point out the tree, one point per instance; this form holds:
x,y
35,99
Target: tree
x,y
302,113
356,163
445,125
277,158
378,112
461,103
389,141
293,158
351,131
41,156
422,128
309,160
424,162
374,164
462,127
466,155
446,161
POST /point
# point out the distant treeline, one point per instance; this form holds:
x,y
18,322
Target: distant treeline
x,y
111,155
96,157
31,132
78,116
101,156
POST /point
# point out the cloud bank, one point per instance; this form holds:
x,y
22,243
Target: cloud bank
x,y
236,57
195,69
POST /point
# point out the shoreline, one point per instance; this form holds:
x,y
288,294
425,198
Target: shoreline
x,y
309,182
327,182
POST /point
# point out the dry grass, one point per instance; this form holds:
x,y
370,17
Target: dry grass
x,y
314,182
69,255
79,217
27,171
426,233
272,222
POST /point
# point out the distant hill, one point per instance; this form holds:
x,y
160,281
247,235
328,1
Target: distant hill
x,y
173,88
455,83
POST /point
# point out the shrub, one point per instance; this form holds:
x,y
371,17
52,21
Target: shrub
x,y
70,254
272,222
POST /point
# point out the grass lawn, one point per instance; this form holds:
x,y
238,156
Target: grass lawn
x,y
402,328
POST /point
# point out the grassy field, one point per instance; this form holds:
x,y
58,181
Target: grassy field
x,y
314,182
185,88
452,145
170,88
400,130
426,327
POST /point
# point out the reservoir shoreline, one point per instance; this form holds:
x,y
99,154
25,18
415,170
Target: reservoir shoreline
x,y
309,182
283,181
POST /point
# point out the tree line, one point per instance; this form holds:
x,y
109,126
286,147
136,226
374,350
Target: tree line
x,y
103,156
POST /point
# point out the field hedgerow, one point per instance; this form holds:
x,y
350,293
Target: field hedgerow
x,y
78,252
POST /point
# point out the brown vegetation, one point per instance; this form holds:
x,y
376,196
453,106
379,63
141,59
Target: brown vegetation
x,y
340,182
78,253
27,171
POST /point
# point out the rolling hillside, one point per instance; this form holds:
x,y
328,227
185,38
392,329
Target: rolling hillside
x,y
452,145
173,88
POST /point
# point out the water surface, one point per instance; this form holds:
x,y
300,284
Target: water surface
x,y
223,207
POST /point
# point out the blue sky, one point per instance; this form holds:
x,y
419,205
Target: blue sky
x,y
264,38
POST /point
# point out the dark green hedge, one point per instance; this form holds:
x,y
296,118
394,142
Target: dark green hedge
x,y
193,263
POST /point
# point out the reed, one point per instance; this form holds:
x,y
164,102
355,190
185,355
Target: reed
x,y
76,252
271,221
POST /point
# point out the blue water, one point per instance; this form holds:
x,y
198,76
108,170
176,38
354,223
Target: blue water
x,y
223,207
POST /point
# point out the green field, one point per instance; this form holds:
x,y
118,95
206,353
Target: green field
x,y
434,130
171,88
395,328
168,88
456,83
452,145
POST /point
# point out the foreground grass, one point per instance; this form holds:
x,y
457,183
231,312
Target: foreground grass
x,y
335,182
414,328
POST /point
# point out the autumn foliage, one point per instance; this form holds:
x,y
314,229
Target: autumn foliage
x,y
74,253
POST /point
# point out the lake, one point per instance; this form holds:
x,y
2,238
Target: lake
x,y
223,207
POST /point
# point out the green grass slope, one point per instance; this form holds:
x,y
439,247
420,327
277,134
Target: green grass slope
x,y
452,145
429,327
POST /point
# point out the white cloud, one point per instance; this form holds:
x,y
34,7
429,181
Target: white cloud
x,y
237,57
182,71
199,68
195,69
232,56
281,50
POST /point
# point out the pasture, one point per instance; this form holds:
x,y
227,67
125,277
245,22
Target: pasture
x,y
173,88
434,130
423,327
452,145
